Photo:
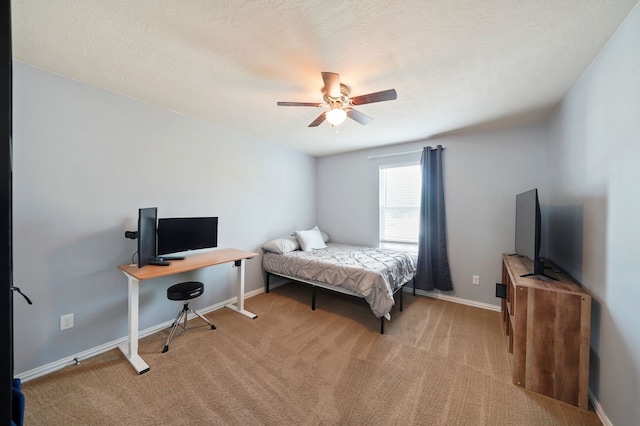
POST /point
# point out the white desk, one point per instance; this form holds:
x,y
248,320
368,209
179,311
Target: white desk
x,y
192,262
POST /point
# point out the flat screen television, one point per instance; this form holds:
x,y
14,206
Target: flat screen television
x,y
529,230
147,218
186,233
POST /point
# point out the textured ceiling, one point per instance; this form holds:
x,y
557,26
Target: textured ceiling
x,y
457,66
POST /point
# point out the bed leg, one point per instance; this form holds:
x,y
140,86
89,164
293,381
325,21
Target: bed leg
x,y
267,283
414,285
313,298
401,298
381,325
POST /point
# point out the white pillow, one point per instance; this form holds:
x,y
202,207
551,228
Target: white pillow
x,y
310,239
325,236
282,245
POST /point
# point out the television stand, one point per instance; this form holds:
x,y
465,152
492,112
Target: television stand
x,y
547,328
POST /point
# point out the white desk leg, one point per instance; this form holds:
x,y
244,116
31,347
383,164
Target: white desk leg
x,y
240,298
130,348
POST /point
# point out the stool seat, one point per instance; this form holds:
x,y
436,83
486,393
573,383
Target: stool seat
x,y
185,291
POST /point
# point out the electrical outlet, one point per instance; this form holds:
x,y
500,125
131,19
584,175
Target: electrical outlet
x,y
66,321
476,279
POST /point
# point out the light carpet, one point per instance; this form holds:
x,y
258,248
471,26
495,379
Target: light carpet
x,y
438,363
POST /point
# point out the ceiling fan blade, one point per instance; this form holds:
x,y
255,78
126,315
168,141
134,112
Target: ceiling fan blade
x,y
358,116
385,95
331,84
319,120
310,104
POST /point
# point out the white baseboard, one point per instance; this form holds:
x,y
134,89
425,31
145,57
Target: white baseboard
x,y
599,411
438,295
74,359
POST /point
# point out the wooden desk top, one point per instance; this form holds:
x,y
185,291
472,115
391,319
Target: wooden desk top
x,y
192,262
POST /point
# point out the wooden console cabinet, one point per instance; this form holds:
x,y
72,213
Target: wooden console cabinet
x,y
547,324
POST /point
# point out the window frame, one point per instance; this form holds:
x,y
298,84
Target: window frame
x,y
383,242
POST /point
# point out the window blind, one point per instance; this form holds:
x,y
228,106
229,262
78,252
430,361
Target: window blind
x,y
400,204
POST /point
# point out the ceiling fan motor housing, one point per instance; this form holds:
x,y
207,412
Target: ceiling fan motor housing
x,y
339,102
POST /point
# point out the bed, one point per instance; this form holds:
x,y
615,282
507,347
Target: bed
x,y
373,274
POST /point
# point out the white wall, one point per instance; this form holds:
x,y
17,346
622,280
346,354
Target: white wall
x,y
483,174
596,149
85,160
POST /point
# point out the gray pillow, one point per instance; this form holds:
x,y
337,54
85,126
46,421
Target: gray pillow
x,y
282,245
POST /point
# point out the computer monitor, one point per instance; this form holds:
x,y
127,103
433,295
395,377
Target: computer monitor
x,y
147,236
186,233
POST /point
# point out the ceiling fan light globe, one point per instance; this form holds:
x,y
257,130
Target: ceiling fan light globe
x,y
336,116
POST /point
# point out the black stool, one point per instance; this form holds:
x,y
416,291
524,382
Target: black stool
x,y
184,291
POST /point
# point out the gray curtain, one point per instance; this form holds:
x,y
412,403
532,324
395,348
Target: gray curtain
x,y
433,263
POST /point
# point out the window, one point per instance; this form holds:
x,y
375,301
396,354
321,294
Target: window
x,y
400,206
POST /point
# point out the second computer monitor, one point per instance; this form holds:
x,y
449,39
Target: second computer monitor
x,y
186,233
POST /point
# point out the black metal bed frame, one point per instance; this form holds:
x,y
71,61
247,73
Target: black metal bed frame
x,y
315,287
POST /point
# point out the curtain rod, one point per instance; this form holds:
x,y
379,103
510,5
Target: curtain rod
x,y
371,157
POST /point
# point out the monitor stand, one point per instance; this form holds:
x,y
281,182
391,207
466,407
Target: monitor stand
x,y
161,258
159,262
164,260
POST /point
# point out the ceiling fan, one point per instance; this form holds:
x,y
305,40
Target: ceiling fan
x,y
336,98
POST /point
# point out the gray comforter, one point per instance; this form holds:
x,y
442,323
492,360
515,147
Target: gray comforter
x,y
373,274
